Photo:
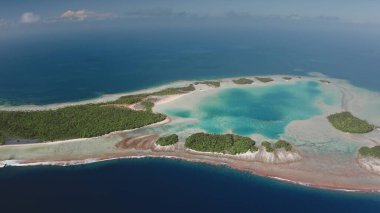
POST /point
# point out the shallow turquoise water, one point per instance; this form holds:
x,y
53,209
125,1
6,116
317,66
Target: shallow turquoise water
x,y
263,110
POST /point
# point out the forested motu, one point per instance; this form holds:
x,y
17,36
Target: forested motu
x,y
82,121
230,144
73,122
167,140
243,81
227,143
346,122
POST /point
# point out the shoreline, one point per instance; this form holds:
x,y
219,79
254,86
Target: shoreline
x,y
101,148
178,83
15,163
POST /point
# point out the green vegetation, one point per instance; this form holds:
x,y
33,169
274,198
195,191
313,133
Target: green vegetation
x,y
268,146
221,143
346,122
83,120
370,152
264,79
325,81
174,91
148,105
130,99
167,140
283,144
73,122
209,83
2,139
287,78
243,81
254,149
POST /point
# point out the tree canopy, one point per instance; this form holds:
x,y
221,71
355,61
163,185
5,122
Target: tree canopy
x,y
346,122
167,140
243,81
370,152
73,122
222,143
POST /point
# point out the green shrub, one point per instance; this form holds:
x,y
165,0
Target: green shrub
x,y
268,146
167,140
222,143
174,91
370,152
243,81
2,139
325,81
283,144
129,99
148,105
132,99
264,79
346,122
209,83
254,149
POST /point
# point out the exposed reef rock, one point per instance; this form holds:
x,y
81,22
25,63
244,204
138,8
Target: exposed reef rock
x,y
276,157
169,148
370,163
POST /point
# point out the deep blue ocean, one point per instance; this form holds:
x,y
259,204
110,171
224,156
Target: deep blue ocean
x,y
61,67
146,185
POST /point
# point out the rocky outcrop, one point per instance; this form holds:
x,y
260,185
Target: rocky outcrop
x,y
278,156
169,148
370,163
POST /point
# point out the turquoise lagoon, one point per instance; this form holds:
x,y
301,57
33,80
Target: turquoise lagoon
x,y
265,110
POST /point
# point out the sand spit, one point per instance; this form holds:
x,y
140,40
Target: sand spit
x,y
226,82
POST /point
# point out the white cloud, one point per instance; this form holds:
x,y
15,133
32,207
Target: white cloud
x,y
29,17
80,15
156,13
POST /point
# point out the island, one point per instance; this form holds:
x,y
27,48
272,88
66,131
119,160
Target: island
x,y
243,81
346,122
84,121
167,140
220,143
264,79
209,83
276,128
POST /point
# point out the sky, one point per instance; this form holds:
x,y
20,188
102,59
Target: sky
x,y
22,16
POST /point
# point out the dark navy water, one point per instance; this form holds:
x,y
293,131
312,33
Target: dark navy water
x,y
61,67
147,185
